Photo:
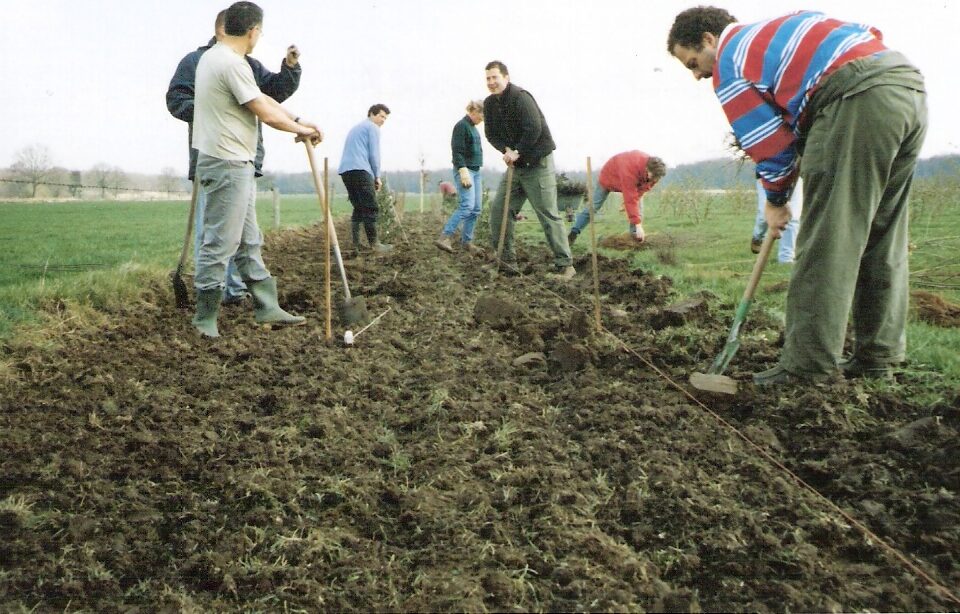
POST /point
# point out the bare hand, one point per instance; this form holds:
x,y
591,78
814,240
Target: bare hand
x,y
510,156
314,137
377,184
777,218
293,56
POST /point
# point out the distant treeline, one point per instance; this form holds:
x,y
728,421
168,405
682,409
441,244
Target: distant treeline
x,y
111,182
722,173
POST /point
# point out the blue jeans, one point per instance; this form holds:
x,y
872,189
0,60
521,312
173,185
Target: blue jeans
x,y
583,218
230,227
235,287
788,238
470,202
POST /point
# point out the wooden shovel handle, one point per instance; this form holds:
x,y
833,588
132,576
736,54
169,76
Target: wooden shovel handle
x,y
506,212
186,237
758,266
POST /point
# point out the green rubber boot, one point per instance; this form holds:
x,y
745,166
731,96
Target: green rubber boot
x,y
208,308
266,308
372,236
355,227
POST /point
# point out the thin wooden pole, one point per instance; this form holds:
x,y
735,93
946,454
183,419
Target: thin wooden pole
x,y
326,237
593,246
276,208
505,213
421,185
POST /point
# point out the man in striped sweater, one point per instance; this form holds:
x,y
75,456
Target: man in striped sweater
x,y
830,91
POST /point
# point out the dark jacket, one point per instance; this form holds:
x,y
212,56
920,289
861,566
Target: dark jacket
x,y
278,86
513,119
466,145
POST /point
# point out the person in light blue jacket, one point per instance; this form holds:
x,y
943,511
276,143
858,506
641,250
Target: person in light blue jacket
x,y
360,170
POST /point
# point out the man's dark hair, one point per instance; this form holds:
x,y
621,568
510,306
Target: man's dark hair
x,y
499,66
656,168
240,17
375,109
689,26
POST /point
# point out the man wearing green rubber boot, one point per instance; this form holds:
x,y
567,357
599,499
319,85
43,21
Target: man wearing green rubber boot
x,y
227,106
831,91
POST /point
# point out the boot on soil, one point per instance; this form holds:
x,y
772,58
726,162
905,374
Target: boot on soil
x,y
572,236
444,243
266,307
778,376
355,226
564,275
375,244
208,308
473,250
852,368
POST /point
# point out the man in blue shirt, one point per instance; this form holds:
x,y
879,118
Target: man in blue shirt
x,y
360,171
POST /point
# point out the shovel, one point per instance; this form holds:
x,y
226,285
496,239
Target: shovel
x,y
714,380
180,294
353,309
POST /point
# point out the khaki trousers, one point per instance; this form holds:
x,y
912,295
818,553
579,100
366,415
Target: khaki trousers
x,y
538,184
857,169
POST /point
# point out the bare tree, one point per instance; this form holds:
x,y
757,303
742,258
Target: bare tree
x,y
99,176
106,178
118,180
167,181
76,184
34,165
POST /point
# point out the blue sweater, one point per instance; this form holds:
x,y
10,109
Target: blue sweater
x,y
361,151
278,86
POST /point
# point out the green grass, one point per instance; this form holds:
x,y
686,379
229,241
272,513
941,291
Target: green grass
x,y
95,252
702,243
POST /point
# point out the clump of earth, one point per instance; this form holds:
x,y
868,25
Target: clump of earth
x,y
935,309
484,446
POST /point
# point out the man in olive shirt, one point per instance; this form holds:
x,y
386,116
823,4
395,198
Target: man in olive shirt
x,y
515,126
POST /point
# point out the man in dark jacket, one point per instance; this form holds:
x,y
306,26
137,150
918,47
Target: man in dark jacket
x,y
180,93
515,126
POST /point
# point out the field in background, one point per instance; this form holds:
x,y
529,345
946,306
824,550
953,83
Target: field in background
x,y
82,255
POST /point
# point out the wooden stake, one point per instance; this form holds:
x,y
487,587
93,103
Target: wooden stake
x,y
325,209
421,184
276,208
326,242
593,245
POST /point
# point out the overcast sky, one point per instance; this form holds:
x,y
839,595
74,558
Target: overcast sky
x,y
87,78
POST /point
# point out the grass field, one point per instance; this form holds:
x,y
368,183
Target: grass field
x,y
81,255
92,252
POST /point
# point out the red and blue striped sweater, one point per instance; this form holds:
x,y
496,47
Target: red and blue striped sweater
x,y
765,74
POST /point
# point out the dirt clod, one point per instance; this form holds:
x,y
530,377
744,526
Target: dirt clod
x,y
935,309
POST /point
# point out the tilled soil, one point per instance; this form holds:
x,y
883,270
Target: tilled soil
x,y
481,447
